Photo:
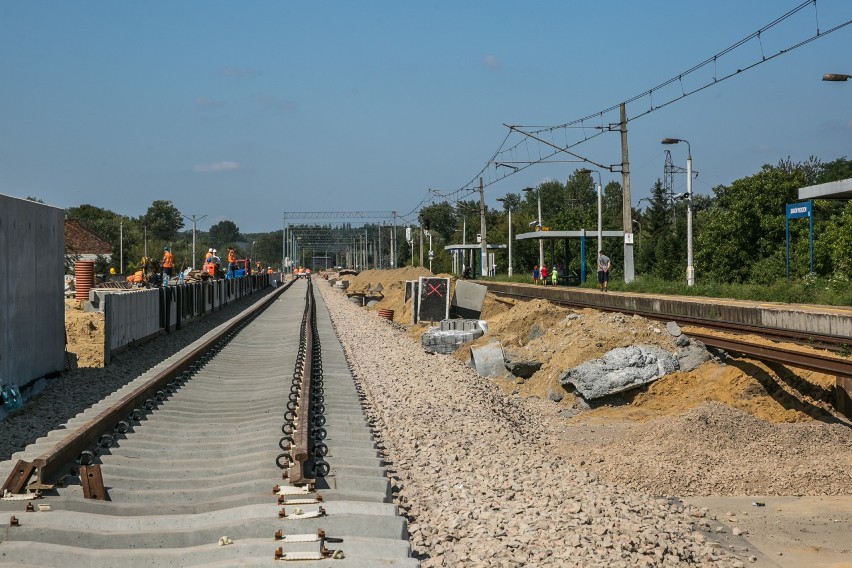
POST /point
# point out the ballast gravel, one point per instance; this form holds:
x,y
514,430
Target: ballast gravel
x,y
476,475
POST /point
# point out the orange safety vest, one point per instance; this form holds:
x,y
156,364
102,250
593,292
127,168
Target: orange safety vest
x,y
167,260
269,271
232,256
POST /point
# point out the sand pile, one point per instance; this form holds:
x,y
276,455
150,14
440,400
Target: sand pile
x,y
84,332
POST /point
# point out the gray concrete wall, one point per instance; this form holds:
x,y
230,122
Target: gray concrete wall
x,y
132,316
32,311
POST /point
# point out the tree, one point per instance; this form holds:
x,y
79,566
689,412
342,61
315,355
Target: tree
x,y
224,233
742,233
162,221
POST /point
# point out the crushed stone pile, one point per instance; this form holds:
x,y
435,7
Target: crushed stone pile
x,y
475,472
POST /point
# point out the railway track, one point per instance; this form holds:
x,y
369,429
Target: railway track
x,y
834,343
248,448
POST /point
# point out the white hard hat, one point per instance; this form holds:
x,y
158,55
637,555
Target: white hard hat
x,y
214,251
210,250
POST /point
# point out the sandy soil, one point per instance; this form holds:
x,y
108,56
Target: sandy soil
x,y
84,336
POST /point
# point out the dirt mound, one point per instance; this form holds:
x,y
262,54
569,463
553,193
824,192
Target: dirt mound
x,y
562,338
367,279
84,332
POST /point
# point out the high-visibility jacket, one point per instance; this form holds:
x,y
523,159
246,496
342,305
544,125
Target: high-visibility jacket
x,y
167,260
232,256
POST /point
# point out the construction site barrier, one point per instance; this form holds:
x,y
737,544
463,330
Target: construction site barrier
x,y
138,315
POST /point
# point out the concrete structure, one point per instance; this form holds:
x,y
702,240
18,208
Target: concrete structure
x,y
832,190
582,234
131,316
32,313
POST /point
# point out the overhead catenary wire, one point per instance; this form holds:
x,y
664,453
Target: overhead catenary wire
x,y
532,131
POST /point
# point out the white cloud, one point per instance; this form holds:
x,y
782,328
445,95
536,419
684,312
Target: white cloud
x,y
217,167
206,103
491,62
238,72
276,103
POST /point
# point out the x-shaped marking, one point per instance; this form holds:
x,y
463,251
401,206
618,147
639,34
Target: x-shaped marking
x,y
433,290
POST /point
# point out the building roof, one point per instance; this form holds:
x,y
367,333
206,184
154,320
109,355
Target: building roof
x,y
544,235
80,240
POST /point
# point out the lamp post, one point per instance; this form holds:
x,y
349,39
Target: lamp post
x,y
600,204
537,191
690,269
195,219
509,209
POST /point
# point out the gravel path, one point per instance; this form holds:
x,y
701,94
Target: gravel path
x,y
478,477
74,391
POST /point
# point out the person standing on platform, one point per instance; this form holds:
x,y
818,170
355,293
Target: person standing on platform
x,y
535,274
603,270
167,265
232,262
542,273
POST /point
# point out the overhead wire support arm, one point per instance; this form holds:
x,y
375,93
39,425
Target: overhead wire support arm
x,y
559,148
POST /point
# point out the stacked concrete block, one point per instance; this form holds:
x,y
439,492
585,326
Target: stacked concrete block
x,y
451,335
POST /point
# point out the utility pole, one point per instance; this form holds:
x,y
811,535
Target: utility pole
x,y
194,220
393,242
484,261
421,243
626,211
121,246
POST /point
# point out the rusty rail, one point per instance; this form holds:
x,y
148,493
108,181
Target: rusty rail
x,y
50,465
299,448
304,420
826,364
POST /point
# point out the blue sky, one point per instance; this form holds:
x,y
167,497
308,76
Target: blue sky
x,y
244,110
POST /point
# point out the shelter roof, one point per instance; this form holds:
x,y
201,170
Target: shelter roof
x,y
832,190
473,246
544,235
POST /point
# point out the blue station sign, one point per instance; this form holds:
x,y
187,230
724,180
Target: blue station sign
x,y
798,210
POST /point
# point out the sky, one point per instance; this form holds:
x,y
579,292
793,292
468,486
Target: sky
x,y
247,110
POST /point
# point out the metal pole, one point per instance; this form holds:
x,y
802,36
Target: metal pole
x,y
421,243
393,242
600,217
510,241
690,269
626,211
540,228
121,246
484,240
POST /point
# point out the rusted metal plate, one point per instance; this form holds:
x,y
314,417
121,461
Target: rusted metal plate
x,y
92,482
843,396
18,477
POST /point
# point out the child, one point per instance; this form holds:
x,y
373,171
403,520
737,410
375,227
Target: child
x,y
535,274
543,274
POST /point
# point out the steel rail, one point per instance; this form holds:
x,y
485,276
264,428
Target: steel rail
x,y
810,361
51,463
299,448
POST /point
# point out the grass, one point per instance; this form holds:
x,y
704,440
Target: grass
x,y
808,290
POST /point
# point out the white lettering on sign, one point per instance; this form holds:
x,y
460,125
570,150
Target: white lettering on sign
x,y
798,210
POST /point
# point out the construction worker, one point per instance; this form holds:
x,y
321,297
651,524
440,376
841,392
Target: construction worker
x,y
269,270
232,262
167,264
